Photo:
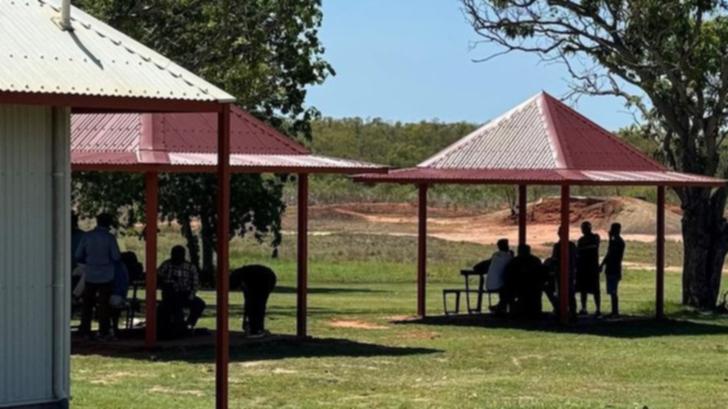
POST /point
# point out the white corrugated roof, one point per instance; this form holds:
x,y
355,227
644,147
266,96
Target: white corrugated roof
x,y
94,59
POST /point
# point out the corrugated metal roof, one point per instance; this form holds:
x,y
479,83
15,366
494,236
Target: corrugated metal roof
x,y
190,140
539,177
541,133
541,141
517,139
36,56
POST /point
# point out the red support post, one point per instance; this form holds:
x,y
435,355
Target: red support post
x,y
151,199
564,256
302,287
422,250
222,344
522,212
660,268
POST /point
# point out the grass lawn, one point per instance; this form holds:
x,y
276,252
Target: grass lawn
x,y
362,357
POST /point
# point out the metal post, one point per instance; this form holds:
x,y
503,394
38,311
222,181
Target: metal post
x,y
564,256
302,287
222,344
422,250
660,268
151,199
522,211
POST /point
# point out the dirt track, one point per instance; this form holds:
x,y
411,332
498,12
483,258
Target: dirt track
x,y
637,218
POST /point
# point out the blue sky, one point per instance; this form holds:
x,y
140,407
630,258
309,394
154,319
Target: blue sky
x,y
411,60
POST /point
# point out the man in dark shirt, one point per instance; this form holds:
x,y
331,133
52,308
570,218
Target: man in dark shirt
x,y
587,268
612,264
525,281
257,282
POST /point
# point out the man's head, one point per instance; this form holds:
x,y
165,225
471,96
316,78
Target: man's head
x,y
615,229
503,245
524,250
105,220
586,228
178,255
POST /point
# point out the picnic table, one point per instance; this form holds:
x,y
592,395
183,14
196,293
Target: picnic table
x,y
467,275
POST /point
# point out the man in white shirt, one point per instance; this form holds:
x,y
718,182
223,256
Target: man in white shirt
x,y
495,280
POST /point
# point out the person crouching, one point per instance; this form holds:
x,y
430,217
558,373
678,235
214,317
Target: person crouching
x,y
257,283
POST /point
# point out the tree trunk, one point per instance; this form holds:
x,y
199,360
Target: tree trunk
x,y
193,241
207,231
705,244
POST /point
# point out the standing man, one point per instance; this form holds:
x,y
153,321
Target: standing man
x,y
613,263
99,251
587,268
257,282
180,281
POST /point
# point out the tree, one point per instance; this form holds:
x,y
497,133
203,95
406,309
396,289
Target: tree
x,y
666,58
264,52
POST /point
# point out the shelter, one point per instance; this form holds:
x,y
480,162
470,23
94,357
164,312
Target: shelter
x,y
56,58
541,142
185,142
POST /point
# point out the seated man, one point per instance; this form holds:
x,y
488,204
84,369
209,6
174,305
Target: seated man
x,y
525,282
179,282
256,282
495,280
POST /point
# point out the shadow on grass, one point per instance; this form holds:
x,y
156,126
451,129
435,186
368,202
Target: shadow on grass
x,y
201,349
626,327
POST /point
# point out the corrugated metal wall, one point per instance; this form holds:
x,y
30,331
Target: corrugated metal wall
x,y
26,254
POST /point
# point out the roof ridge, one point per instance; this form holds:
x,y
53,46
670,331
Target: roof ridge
x,y
551,132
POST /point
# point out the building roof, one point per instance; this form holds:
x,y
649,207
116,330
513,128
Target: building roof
x,y
541,141
92,60
188,142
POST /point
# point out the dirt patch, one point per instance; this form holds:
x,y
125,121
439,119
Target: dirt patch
x,y
169,391
355,324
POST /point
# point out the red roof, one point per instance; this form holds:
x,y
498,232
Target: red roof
x,y
541,141
188,141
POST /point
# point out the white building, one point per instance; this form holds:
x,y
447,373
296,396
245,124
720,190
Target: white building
x,y
51,63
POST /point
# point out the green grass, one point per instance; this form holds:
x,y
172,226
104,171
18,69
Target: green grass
x,y
682,364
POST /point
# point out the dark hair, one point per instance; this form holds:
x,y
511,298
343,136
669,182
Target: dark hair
x,y
178,254
616,228
586,225
104,220
502,244
524,249
74,220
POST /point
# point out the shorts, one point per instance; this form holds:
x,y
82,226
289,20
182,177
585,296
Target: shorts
x,y
613,284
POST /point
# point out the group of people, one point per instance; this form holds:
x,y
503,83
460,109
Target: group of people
x,y
102,274
522,279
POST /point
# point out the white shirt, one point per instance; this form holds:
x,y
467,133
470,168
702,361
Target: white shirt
x,y
497,270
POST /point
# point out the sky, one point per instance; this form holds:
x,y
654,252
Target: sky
x,y
413,60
